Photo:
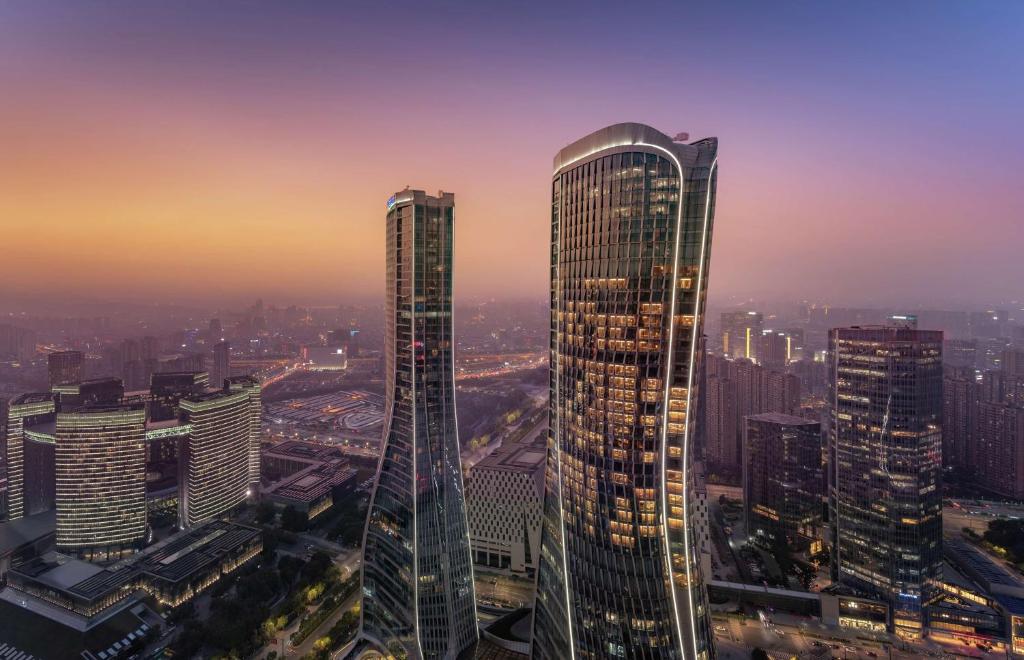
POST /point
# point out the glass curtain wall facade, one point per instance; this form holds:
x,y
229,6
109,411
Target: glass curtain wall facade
x,y
619,572
418,596
782,480
886,462
101,480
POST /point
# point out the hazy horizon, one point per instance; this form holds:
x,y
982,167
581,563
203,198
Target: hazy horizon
x,y
209,154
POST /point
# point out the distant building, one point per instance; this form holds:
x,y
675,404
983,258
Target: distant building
x,y
17,343
960,353
65,367
504,504
101,480
251,386
999,454
167,389
722,448
214,463
24,410
325,358
961,394
885,452
741,334
737,389
774,351
782,480
221,363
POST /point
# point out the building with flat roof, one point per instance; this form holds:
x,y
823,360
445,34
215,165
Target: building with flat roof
x,y
65,367
25,538
741,334
312,489
167,389
214,463
24,410
504,505
782,474
172,571
251,386
885,448
101,479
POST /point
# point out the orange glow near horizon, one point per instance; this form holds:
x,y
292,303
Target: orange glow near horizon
x,y
213,154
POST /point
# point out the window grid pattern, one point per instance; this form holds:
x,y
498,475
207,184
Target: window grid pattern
x,y
617,440
886,461
418,598
100,469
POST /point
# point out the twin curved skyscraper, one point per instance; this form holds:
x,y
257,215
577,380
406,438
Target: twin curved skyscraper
x,y
632,213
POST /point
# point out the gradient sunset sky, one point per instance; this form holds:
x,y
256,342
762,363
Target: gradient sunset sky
x,y
219,151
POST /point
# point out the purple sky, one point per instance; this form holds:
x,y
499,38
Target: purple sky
x,y
195,151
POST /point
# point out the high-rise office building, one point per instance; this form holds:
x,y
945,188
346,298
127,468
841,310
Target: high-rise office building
x,y
65,367
782,480
885,466
221,363
214,463
775,349
24,410
741,334
619,572
418,594
960,353
101,479
251,386
167,389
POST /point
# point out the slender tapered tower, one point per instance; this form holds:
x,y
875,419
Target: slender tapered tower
x,y
418,597
619,572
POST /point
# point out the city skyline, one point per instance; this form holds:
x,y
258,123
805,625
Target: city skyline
x,y
132,129
236,318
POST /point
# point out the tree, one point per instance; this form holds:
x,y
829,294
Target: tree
x,y
759,654
294,520
265,513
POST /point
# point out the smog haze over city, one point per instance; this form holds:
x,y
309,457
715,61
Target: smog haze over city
x,y
504,331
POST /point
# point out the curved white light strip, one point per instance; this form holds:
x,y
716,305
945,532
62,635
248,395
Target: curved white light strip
x,y
664,429
689,388
669,365
415,526
455,413
558,423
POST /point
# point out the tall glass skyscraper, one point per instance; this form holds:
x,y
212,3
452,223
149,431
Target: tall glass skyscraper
x,y
885,495
619,572
418,598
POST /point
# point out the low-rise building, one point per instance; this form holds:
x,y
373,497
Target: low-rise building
x,y
504,498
